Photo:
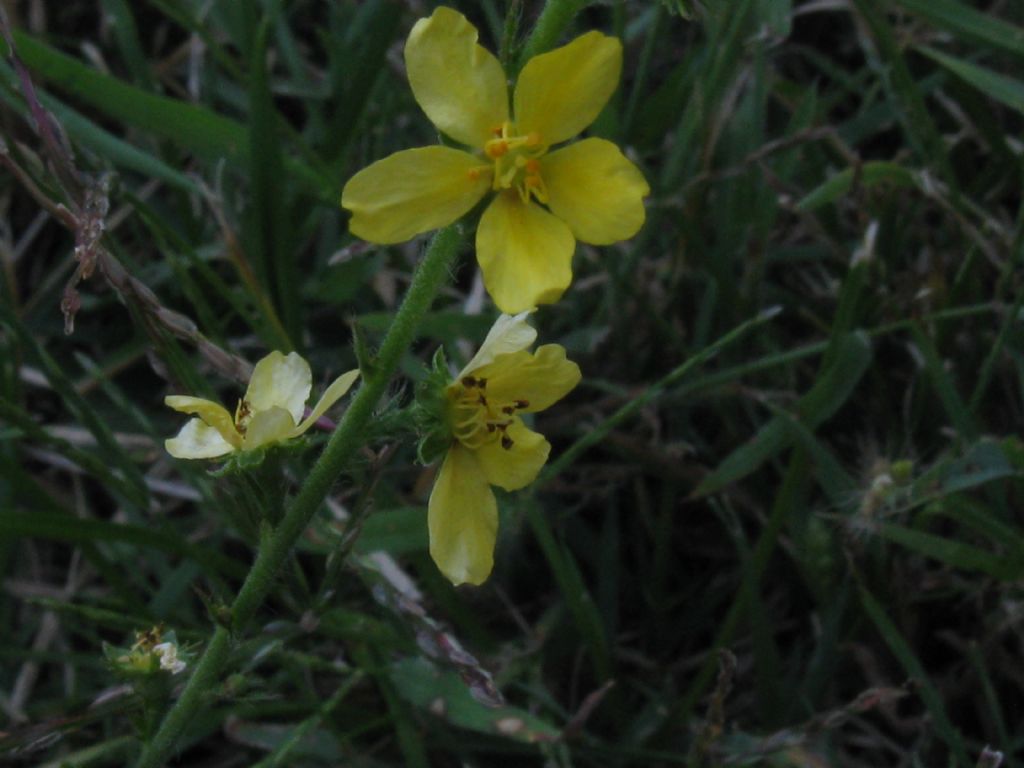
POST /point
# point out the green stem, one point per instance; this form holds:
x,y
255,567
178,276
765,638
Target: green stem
x,y
346,440
550,26
285,748
598,433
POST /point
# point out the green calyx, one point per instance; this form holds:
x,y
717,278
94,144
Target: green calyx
x,y
430,411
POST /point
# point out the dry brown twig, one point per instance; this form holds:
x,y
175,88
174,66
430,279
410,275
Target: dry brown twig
x,y
84,215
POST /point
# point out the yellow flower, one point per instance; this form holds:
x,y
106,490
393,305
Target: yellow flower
x,y
544,200
270,412
490,444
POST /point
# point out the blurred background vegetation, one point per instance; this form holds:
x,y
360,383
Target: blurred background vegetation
x,y
804,550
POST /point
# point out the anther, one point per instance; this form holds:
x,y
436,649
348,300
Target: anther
x,y
520,404
469,381
242,414
506,442
496,148
533,166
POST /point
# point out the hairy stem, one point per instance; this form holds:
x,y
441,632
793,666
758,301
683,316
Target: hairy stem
x,y
550,26
346,440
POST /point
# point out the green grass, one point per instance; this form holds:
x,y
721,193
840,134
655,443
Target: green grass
x,y
781,521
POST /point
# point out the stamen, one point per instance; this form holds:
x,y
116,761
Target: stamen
x,y
536,186
242,415
507,178
496,148
477,421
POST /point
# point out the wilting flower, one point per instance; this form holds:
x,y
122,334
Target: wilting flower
x,y
169,659
270,412
152,652
490,445
544,199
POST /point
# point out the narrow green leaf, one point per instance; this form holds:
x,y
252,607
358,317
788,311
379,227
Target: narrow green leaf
x,y
120,18
905,94
398,531
1006,90
955,553
913,667
268,229
777,16
357,63
870,175
445,694
107,444
828,394
94,138
969,24
983,462
833,478
975,516
56,527
574,591
195,128
944,386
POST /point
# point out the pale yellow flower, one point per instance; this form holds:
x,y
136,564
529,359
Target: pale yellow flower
x,y
490,444
270,412
544,199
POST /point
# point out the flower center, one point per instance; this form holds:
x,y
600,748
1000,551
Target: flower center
x,y
516,162
478,419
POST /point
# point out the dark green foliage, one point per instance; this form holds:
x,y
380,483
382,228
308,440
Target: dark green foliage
x,y
781,523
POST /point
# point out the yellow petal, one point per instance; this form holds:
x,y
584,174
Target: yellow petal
x,y
594,189
414,191
562,92
331,395
281,381
517,466
540,379
197,440
214,414
510,333
462,518
524,252
272,425
460,85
